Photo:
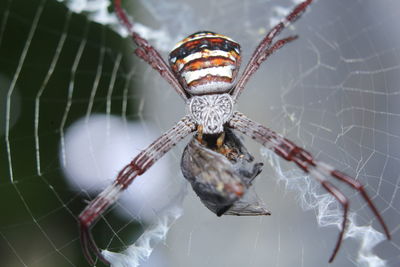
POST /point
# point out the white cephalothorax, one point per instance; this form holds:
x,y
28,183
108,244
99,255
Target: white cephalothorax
x,y
211,111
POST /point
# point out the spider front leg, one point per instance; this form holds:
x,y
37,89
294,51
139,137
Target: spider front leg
x,y
148,53
319,170
266,47
136,167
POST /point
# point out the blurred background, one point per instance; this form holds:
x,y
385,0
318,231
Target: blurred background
x,y
76,105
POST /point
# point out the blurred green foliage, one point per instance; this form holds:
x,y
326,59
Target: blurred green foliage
x,y
38,210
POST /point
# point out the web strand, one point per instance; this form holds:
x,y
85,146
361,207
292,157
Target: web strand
x,y
334,91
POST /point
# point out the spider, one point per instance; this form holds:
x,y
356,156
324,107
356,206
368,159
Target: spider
x,y
203,70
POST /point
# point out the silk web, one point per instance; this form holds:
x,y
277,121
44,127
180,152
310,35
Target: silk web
x,y
77,105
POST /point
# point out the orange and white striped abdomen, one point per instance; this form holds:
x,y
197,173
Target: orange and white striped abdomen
x,y
206,63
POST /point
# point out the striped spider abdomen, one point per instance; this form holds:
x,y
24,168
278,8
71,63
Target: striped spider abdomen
x,y
206,63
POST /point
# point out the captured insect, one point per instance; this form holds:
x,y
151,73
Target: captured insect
x,y
203,71
213,169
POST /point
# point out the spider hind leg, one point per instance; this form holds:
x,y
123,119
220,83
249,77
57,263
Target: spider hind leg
x,y
318,170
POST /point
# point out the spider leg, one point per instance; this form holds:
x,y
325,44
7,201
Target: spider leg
x,y
257,63
84,237
136,167
148,53
303,159
265,44
345,204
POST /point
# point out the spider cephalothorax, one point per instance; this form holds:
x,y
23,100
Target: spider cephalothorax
x,y
203,72
211,111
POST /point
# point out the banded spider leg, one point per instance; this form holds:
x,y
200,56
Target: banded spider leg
x,y
136,167
318,170
265,49
148,53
